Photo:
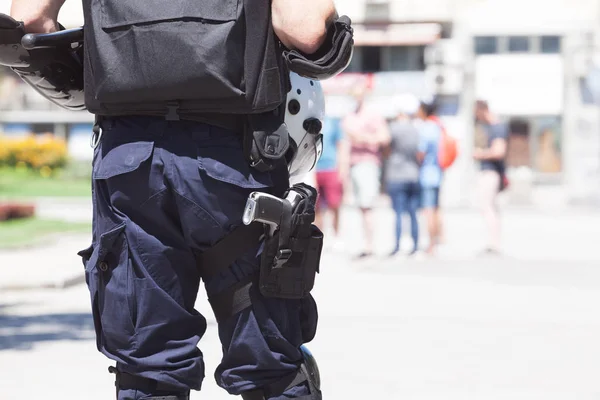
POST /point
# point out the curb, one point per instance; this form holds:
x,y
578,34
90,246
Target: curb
x,y
45,240
63,284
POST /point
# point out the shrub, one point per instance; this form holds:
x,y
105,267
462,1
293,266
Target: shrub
x,y
43,153
16,210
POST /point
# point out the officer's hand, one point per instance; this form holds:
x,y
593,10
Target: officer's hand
x,y
38,16
40,25
302,25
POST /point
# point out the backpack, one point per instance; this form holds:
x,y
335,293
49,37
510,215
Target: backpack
x,y
448,146
181,57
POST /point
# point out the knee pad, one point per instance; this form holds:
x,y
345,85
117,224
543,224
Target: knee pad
x,y
311,371
308,372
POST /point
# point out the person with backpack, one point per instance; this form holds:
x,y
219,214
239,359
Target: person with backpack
x,y
447,155
431,174
195,107
402,170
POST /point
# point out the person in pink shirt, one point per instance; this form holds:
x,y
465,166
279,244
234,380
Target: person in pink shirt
x,y
368,134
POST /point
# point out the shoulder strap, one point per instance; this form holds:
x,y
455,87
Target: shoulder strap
x,y
439,123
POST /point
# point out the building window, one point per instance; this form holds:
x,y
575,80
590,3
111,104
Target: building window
x,y
371,59
447,105
387,58
377,12
550,44
486,45
519,148
518,44
548,145
406,58
356,61
43,128
16,129
535,142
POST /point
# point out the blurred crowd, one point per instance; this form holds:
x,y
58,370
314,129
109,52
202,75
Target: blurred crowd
x,y
366,156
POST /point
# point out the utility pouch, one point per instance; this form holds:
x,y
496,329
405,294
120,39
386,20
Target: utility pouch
x,y
291,256
266,140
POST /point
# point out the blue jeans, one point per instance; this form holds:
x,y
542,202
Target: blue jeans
x,y
405,198
163,191
430,197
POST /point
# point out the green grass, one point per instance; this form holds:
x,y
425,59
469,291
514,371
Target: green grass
x,y
33,231
73,181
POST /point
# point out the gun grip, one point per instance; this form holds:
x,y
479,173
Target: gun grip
x,y
12,53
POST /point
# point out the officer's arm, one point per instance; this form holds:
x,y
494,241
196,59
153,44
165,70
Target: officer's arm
x,y
302,25
39,16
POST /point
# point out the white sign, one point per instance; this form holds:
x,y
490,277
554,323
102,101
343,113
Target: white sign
x,y
521,84
396,34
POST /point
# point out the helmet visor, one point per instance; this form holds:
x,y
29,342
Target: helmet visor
x,y
308,152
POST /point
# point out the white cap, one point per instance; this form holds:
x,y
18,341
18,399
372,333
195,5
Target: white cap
x,y
406,103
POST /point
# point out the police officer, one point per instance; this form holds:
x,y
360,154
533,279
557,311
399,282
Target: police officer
x,y
170,83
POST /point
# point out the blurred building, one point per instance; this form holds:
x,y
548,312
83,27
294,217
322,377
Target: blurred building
x,y
536,61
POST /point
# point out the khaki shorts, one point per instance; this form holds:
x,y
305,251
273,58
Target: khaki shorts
x,y
365,183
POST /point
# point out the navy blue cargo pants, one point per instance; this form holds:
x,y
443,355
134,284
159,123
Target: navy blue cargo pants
x,y
162,191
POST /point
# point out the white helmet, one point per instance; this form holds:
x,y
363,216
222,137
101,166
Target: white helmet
x,y
304,114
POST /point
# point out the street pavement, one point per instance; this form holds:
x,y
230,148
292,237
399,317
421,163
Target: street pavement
x,y
524,326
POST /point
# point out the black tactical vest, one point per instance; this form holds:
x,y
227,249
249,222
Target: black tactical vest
x,y
181,57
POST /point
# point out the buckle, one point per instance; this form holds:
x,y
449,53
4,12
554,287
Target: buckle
x,y
282,257
96,136
172,107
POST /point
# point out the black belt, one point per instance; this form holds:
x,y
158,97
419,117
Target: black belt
x,y
231,122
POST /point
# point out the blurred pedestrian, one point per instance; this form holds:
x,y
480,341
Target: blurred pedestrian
x,y
367,133
331,172
402,171
430,176
492,178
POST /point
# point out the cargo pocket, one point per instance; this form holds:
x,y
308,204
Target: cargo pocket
x,y
110,278
89,257
228,164
121,158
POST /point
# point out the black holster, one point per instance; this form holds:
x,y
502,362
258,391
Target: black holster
x,y
291,256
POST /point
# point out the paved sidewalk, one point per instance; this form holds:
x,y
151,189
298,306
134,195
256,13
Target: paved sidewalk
x,y
525,326
393,330
78,209
54,264
528,236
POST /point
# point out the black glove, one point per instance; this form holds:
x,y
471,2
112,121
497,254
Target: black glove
x,y
55,70
331,58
